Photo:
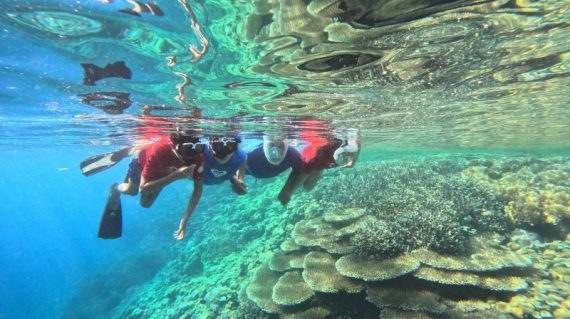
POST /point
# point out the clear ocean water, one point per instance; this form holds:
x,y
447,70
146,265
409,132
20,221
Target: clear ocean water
x,y
458,205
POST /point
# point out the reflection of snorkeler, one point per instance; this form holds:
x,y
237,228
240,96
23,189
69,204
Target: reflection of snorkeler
x,y
93,73
321,154
292,89
235,85
109,102
141,7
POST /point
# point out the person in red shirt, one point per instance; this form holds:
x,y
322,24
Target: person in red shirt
x,y
178,156
321,153
163,162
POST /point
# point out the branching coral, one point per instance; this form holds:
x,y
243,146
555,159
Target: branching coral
x,y
413,205
438,231
480,204
536,193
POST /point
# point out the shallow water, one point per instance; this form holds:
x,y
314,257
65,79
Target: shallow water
x,y
437,90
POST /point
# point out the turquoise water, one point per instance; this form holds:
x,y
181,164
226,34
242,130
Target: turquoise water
x,y
461,108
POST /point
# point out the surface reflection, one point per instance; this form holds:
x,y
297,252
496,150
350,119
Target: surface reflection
x,y
402,71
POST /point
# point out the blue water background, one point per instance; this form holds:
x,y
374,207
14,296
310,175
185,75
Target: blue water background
x,y
50,218
51,212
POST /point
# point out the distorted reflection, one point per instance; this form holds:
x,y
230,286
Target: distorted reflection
x,y
141,7
93,73
109,102
256,110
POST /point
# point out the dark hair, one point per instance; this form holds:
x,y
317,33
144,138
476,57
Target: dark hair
x,y
222,146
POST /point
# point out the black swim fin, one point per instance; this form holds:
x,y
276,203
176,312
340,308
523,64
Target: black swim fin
x,y
101,162
111,225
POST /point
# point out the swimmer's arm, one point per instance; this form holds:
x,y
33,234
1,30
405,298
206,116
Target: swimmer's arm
x,y
294,181
159,184
194,200
241,173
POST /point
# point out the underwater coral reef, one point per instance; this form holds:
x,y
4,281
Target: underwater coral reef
x,y
536,191
418,238
416,241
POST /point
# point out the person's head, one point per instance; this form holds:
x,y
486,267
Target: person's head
x,y
347,154
187,147
224,148
275,149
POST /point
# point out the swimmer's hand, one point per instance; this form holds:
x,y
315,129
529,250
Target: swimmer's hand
x,y
185,171
238,186
180,233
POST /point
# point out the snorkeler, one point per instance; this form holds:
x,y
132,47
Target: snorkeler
x,y
169,159
273,157
223,160
320,154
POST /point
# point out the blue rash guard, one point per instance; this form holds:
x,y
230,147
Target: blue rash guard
x,y
216,173
258,165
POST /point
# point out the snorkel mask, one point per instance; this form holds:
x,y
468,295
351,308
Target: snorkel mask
x,y
187,147
347,154
224,146
275,149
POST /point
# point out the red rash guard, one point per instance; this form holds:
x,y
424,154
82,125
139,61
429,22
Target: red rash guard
x,y
159,160
318,155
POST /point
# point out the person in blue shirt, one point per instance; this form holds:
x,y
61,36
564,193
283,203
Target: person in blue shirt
x,y
223,161
272,158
